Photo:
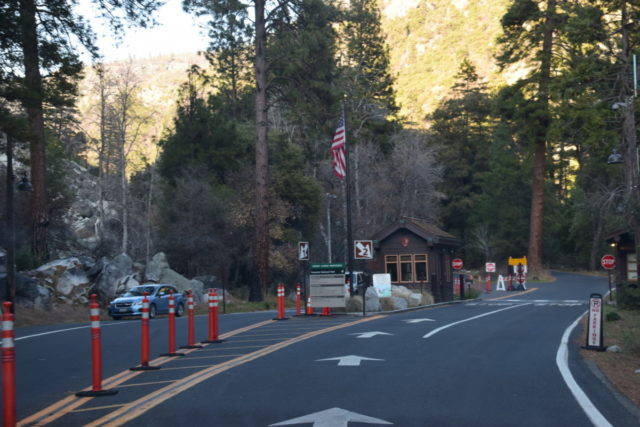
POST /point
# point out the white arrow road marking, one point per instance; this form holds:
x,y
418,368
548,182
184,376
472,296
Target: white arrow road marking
x,y
441,328
419,320
334,417
369,334
350,360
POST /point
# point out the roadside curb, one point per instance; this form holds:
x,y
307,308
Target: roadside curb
x,y
595,370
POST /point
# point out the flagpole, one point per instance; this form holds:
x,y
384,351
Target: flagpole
x,y
347,180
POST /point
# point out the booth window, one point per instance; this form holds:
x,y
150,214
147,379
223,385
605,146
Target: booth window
x,y
422,273
391,267
408,268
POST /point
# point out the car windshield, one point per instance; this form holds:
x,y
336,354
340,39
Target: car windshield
x,y
139,291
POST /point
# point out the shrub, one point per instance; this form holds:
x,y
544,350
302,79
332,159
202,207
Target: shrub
x,y
612,316
629,297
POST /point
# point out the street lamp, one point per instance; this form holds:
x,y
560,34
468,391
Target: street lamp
x,y
24,185
614,158
329,197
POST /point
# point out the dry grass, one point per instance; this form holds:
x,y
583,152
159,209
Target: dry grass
x,y
62,313
619,368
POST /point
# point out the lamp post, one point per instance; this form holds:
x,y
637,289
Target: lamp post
x,y
24,185
628,143
329,197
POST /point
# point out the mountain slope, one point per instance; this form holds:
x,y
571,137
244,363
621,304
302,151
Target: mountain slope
x,y
428,39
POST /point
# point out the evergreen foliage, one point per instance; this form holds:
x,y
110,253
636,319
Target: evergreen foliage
x,y
490,150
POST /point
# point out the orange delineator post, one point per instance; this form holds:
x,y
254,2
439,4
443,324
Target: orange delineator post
x,y
510,279
144,363
96,354
280,303
213,318
172,328
488,283
326,311
191,326
8,368
298,312
309,307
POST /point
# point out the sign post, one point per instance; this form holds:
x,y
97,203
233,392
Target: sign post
x,y
457,264
595,336
303,256
608,262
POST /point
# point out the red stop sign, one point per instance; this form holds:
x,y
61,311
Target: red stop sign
x,y
608,262
456,264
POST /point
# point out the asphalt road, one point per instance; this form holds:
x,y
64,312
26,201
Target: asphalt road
x,y
490,362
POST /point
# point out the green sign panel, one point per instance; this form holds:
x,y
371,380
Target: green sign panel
x,y
328,268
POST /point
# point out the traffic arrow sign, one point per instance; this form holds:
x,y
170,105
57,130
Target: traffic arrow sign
x,y
369,334
419,320
334,417
363,249
350,360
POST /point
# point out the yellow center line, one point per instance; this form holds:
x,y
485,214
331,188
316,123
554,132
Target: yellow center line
x,y
258,339
147,383
142,405
213,348
513,295
209,357
270,334
179,368
97,408
70,403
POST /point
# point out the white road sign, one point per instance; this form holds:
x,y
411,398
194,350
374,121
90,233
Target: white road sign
x,y
363,249
303,251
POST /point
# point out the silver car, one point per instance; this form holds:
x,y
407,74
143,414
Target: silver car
x,y
130,304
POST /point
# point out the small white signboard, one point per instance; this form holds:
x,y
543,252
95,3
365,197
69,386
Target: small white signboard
x,y
382,285
594,334
490,267
303,251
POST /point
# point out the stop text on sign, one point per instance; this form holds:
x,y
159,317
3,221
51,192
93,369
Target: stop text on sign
x,y
608,262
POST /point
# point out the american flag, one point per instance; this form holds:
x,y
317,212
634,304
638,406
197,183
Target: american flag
x,y
338,146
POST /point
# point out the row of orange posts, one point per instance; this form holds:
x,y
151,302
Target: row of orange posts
x,y
8,347
326,311
9,358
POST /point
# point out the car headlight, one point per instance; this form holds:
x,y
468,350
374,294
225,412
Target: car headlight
x,y
136,304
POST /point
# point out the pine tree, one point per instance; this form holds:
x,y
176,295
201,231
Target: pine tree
x,y
461,127
529,27
39,39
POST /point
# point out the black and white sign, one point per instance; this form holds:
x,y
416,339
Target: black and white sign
x,y
363,249
303,251
595,339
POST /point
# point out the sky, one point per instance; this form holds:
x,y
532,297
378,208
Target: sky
x,y
176,32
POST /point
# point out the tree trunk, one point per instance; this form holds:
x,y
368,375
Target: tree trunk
x,y
629,137
32,102
124,200
149,207
101,157
261,255
539,160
